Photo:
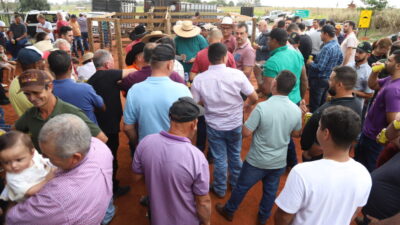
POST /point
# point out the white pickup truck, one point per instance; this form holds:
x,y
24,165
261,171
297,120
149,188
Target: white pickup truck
x,y
275,14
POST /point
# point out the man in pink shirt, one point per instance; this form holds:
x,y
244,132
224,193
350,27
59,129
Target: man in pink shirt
x,y
244,54
81,191
60,23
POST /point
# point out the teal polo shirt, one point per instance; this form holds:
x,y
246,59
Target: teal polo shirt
x,y
284,58
189,47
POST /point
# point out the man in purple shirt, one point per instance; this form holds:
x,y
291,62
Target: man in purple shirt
x,y
176,172
382,112
141,75
81,190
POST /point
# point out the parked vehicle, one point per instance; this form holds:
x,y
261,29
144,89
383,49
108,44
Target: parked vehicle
x,y
276,14
32,22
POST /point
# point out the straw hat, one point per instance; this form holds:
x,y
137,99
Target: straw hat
x,y
186,29
154,34
44,45
87,56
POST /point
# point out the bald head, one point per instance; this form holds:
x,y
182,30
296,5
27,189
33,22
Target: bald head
x,y
263,26
215,36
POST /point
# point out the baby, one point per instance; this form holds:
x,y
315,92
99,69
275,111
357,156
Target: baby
x,y
26,170
7,66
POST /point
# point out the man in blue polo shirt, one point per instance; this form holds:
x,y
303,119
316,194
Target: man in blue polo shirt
x,y
148,102
81,95
285,58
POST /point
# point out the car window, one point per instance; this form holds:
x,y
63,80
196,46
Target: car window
x,y
32,18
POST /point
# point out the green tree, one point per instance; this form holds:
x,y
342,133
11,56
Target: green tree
x,y
231,4
27,5
376,4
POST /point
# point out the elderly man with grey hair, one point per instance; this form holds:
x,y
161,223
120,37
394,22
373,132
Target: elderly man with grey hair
x,y
104,82
81,190
63,44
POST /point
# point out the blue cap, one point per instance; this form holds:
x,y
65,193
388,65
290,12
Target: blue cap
x,y
27,56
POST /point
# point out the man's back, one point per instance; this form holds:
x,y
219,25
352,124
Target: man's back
x,y
325,192
80,95
148,103
316,41
175,171
201,63
78,196
219,89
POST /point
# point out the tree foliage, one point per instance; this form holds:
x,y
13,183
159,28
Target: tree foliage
x,y
376,4
28,5
231,4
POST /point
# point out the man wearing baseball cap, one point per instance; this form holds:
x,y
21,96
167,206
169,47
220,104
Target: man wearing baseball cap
x,y
38,88
361,91
176,172
28,58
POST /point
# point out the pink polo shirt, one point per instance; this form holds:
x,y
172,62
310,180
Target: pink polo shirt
x,y
244,56
230,43
77,196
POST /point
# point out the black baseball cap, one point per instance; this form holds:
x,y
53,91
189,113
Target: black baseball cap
x,y
364,47
163,52
185,110
294,38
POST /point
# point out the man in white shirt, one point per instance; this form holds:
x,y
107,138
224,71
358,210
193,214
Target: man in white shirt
x,y
350,42
331,190
44,26
87,69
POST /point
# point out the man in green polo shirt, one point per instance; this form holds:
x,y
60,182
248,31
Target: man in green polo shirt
x,y
38,87
284,57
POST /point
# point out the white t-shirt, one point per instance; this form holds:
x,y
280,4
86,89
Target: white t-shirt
x,y
350,42
179,69
325,192
46,25
86,71
19,183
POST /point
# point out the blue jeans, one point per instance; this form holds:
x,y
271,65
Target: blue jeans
x,y
14,48
85,36
249,176
367,152
225,146
110,212
318,90
291,159
77,43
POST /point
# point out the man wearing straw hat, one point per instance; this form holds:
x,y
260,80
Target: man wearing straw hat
x,y
188,42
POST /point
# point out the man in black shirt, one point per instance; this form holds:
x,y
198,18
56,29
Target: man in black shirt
x,y
341,84
104,82
16,37
305,46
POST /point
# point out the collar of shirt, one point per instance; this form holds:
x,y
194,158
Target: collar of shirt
x,y
243,46
364,65
342,99
158,79
145,69
283,48
63,81
55,111
174,137
216,67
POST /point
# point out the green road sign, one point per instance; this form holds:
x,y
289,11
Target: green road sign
x,y
303,13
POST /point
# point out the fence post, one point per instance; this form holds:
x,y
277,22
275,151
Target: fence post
x,y
90,34
101,33
119,43
253,31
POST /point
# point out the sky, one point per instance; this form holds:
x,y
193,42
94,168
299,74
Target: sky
x,y
320,3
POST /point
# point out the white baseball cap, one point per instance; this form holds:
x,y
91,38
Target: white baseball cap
x,y
227,20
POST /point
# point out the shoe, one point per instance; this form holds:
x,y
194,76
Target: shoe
x,y
221,210
215,193
121,191
4,101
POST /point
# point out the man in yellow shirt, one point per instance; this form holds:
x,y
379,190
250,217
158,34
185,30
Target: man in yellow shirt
x,y
29,58
76,30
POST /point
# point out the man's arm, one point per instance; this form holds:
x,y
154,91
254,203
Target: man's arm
x,y
126,72
192,75
102,137
252,100
247,70
363,94
373,81
131,133
303,82
388,221
267,85
283,218
137,177
246,132
347,55
390,116
203,208
296,133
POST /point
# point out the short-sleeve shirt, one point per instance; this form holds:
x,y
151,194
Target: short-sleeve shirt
x,y
46,25
76,30
189,47
201,62
350,42
148,103
86,71
175,172
105,84
18,29
272,123
18,99
363,72
284,58
384,199
325,191
387,100
219,90
83,24
61,23
32,122
244,56
230,43
81,95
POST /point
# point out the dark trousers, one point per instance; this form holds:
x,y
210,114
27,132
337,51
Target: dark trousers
x,y
85,37
291,159
113,144
367,152
14,48
77,44
249,176
201,134
318,90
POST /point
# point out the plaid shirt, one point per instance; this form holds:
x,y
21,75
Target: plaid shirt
x,y
329,57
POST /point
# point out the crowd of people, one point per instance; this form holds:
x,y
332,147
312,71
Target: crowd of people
x,y
61,155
